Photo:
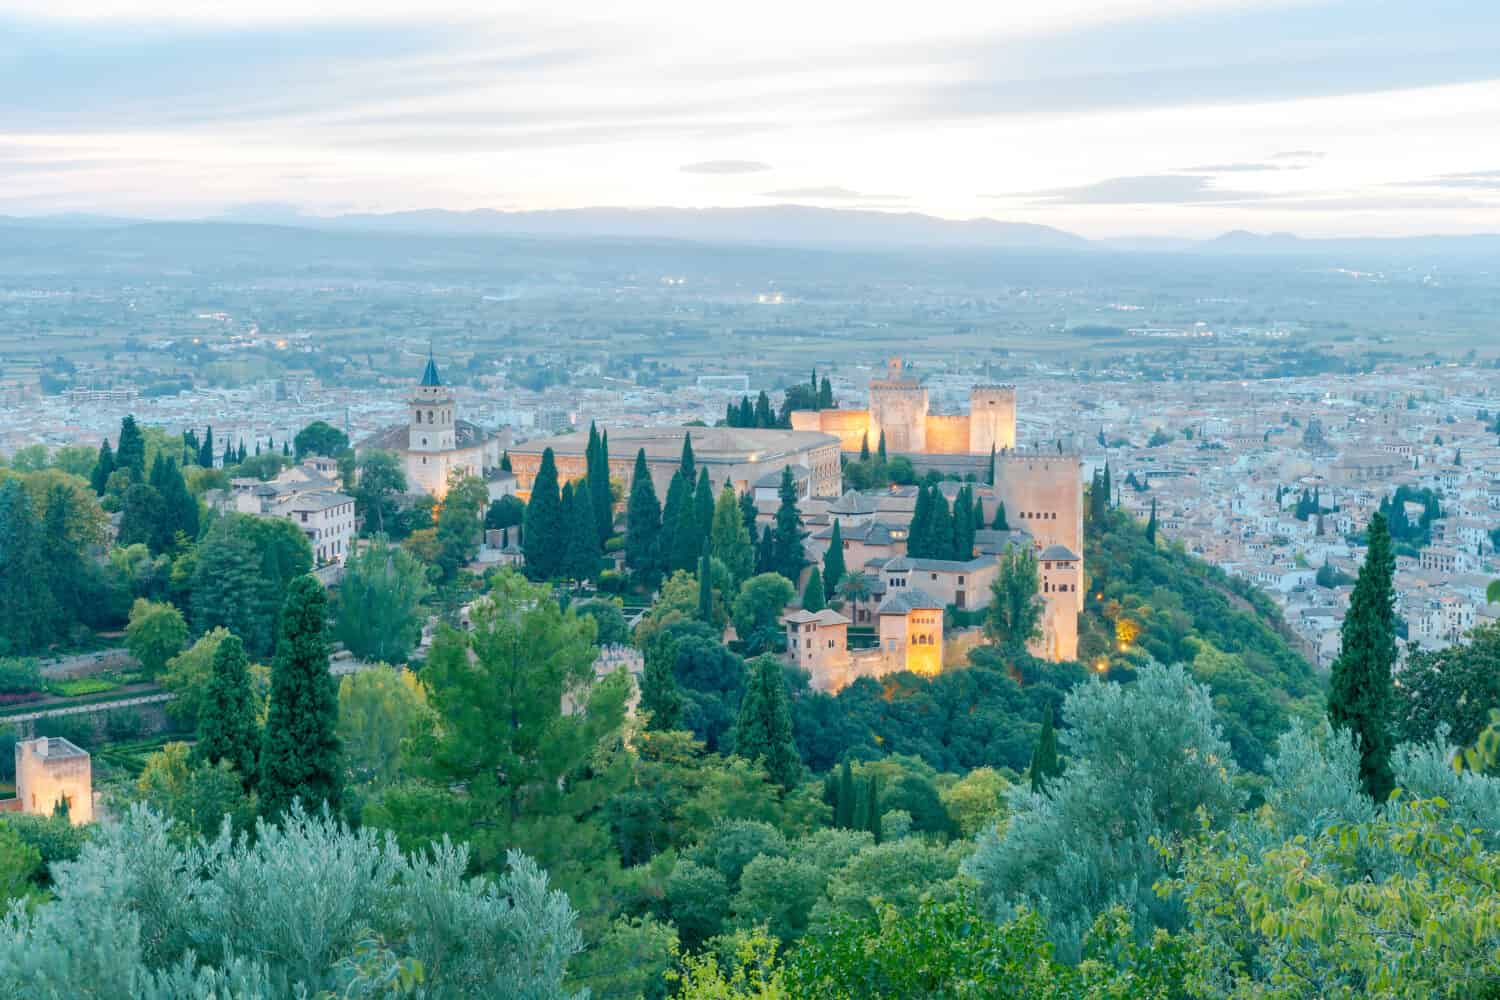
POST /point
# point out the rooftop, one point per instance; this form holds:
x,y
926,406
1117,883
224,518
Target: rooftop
x,y
711,445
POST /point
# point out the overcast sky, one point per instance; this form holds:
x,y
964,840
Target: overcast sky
x,y
1104,117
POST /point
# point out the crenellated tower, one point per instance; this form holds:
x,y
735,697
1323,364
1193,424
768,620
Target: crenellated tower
x,y
898,408
992,418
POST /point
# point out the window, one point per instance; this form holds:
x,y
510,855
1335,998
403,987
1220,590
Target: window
x,y
419,416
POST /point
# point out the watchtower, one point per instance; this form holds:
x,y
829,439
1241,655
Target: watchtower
x,y
992,418
898,408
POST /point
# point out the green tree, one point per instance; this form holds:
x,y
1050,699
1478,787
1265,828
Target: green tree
x,y
764,730
28,610
379,710
460,526
308,907
320,438
729,541
1014,617
833,559
786,537
1147,767
194,795
880,448
228,727
156,633
581,552
1000,523
679,525
103,467
813,598
544,537
1151,524
1044,763
689,465
379,479
378,606
143,518
600,494
643,524
505,764
825,394
758,606
244,566
130,450
1360,693
299,759
660,695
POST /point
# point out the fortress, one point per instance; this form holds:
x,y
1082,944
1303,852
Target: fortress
x,y
899,410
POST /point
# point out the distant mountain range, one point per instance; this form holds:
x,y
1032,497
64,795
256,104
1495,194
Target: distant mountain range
x,y
802,225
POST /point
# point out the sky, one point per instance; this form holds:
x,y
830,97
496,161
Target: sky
x,y
1102,117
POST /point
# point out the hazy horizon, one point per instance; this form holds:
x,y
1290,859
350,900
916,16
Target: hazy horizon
x,y
1119,119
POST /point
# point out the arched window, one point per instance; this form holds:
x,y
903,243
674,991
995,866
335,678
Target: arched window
x,y
429,416
419,416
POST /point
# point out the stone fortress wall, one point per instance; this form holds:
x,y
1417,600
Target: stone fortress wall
x,y
899,409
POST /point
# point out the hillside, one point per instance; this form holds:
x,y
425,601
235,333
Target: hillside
x,y
1157,602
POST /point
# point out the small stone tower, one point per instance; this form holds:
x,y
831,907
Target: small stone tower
x,y
431,403
898,408
992,418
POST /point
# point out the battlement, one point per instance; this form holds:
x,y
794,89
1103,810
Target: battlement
x,y
1038,455
993,387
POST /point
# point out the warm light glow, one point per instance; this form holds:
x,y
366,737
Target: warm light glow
x,y
1101,665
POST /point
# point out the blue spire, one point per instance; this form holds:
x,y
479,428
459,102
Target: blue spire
x,y
429,374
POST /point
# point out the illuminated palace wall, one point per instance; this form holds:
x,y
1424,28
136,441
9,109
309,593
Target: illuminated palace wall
x,y
899,408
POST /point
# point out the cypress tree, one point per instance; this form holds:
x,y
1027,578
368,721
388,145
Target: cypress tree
x,y
1000,523
813,598
941,530
300,754
872,807
130,451
227,728
844,798
679,524
505,462
286,448
642,524
747,411
880,450
864,447
103,466
763,415
602,499
786,540
731,414
1151,524
206,449
581,551
689,468
1359,693
1108,488
919,532
28,610
989,470
764,729
833,559
544,536
703,509
765,552
1044,763
705,589
749,513
963,526
660,694
728,540
825,394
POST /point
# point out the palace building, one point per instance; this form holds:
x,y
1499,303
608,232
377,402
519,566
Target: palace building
x,y
899,410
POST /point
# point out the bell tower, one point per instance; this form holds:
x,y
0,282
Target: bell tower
x,y
431,403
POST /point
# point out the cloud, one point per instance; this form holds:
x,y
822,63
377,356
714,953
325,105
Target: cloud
x,y
1298,154
1147,189
1231,168
726,167
1474,180
829,193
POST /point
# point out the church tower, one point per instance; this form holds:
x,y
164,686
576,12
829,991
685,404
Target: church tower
x,y
431,424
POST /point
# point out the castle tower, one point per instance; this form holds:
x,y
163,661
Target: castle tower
x,y
898,408
431,423
992,418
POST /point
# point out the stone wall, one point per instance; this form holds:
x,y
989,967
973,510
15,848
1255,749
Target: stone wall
x,y
948,434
